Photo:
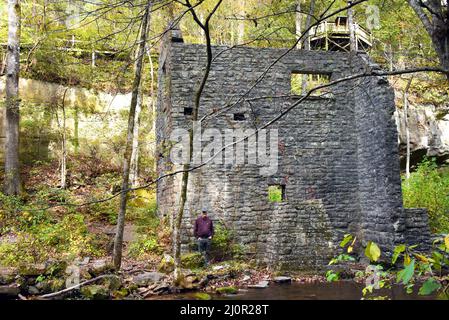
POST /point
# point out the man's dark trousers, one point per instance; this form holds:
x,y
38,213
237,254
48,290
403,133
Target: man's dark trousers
x,y
203,248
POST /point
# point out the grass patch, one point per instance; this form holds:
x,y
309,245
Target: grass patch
x,y
428,187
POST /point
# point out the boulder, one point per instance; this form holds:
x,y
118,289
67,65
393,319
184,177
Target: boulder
x,y
146,278
95,292
32,290
193,260
50,285
7,275
226,290
9,291
112,282
32,270
282,279
260,285
202,296
55,268
99,267
167,264
189,282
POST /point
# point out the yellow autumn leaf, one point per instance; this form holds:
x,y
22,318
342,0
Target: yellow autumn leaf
x,y
407,260
372,251
446,241
349,249
422,258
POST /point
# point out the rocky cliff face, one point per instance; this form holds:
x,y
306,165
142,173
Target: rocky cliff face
x,y
429,134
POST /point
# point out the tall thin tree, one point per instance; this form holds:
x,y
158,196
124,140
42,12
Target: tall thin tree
x,y
351,26
12,173
407,129
118,241
196,106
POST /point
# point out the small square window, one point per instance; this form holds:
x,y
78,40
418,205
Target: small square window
x,y
188,111
276,193
301,83
239,116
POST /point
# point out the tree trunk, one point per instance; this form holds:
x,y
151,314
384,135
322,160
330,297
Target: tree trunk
x,y
76,141
186,167
241,23
352,37
153,107
12,173
118,241
134,169
64,148
298,23
436,23
407,131
307,42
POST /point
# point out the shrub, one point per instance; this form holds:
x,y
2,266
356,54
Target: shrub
x,y
66,239
223,245
428,187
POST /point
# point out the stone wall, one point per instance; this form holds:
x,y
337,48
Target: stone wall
x,y
338,157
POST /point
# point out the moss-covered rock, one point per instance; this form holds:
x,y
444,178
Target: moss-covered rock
x,y
167,264
57,284
227,290
202,296
30,270
120,294
55,268
95,292
7,275
193,260
100,267
112,282
188,282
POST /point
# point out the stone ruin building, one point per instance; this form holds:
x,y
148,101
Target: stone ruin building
x,y
338,164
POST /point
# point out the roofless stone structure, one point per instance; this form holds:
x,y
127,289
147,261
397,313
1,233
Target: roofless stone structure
x,y
337,168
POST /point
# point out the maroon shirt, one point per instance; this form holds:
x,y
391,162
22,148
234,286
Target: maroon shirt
x,y
204,227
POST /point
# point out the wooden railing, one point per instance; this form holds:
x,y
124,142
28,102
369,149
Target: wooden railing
x,y
326,28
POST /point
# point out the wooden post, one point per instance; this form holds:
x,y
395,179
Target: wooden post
x,y
94,55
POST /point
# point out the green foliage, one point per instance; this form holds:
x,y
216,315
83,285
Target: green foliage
x,y
416,266
332,276
372,251
428,187
150,229
406,274
192,260
341,258
202,296
223,245
66,239
429,286
227,290
143,245
275,193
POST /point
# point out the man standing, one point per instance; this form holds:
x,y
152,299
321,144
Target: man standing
x,y
204,231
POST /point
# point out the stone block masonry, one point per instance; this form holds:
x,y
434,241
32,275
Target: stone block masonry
x,y
338,163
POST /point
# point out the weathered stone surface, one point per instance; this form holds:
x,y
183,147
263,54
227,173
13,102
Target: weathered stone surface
x,y
99,267
146,278
33,269
32,290
429,133
337,154
260,285
7,275
96,292
167,264
9,291
282,279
